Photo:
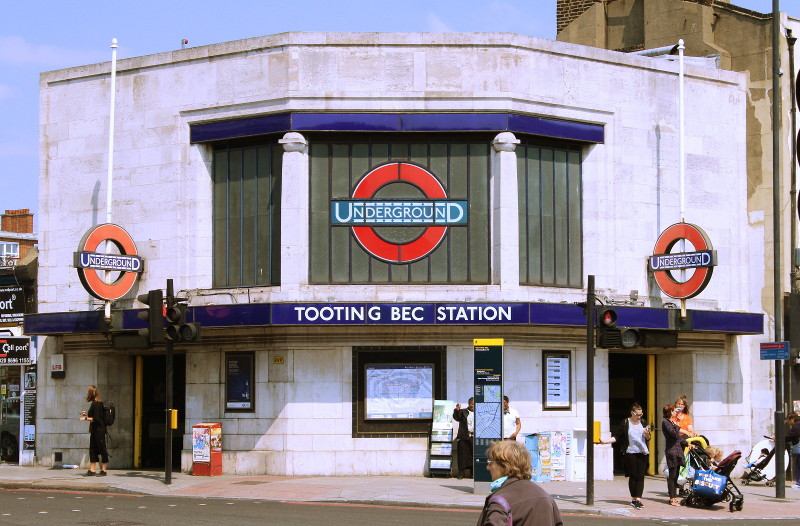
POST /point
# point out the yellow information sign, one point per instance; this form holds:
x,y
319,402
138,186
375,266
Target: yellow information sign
x,y
481,342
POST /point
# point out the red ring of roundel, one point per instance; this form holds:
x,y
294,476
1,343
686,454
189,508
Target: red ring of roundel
x,y
702,275
399,252
91,280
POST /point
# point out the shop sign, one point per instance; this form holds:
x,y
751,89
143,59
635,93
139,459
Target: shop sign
x,y
399,314
15,350
702,261
363,213
12,305
91,264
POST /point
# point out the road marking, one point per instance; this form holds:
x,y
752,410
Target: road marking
x,y
345,505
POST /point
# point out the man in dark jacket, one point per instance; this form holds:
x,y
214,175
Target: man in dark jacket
x,y
466,430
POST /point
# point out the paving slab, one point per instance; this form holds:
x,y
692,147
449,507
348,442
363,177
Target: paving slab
x,y
611,497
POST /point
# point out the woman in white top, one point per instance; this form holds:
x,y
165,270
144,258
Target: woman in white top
x,y
631,437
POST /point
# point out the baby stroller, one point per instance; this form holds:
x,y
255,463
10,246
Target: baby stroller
x,y
711,486
761,463
698,461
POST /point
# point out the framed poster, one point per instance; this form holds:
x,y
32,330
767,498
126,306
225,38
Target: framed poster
x,y
239,381
557,380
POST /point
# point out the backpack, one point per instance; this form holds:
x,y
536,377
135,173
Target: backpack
x,y
109,413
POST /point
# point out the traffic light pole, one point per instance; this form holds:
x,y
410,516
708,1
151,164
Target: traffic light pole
x,y
168,397
780,468
590,392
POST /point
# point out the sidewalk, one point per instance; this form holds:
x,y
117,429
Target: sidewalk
x,y
611,497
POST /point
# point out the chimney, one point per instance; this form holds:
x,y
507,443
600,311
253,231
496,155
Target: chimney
x,y
17,221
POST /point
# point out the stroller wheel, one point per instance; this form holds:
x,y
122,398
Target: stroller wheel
x,y
732,507
770,483
745,481
739,505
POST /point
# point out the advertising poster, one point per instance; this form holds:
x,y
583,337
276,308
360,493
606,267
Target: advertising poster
x,y
29,409
443,414
12,305
201,445
239,379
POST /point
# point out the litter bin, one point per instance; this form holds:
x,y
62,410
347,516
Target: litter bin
x,y
207,449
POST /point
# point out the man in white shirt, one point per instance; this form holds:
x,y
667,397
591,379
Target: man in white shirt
x,y
511,422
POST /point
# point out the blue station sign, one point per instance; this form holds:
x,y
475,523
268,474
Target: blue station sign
x,y
405,213
399,314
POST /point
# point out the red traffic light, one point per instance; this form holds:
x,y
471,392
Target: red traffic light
x,y
607,318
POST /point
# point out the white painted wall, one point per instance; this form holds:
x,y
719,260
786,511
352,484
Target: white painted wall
x,y
162,196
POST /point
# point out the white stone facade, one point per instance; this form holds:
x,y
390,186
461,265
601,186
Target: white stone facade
x,y
303,420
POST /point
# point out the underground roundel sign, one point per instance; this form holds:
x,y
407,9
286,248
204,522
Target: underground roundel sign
x,y
399,212
93,266
702,261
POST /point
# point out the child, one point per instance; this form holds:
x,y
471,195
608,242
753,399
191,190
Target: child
x,y
714,454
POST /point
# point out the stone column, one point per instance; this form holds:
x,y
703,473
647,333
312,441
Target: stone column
x,y
505,204
294,211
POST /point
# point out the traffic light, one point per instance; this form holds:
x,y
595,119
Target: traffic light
x,y
154,316
611,337
178,329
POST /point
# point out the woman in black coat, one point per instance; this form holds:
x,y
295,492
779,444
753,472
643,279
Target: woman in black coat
x,y
674,443
631,438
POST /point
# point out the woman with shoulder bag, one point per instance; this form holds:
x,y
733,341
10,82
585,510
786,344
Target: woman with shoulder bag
x,y
97,433
631,437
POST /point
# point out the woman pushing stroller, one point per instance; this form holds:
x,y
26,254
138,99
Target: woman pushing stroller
x,y
675,442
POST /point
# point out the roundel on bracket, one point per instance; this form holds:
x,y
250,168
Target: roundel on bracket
x,y
702,261
364,212
91,263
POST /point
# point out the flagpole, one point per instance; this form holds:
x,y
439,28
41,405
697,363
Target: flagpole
x,y
110,177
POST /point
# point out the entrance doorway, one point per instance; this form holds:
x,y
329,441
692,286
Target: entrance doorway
x,y
9,413
153,396
627,383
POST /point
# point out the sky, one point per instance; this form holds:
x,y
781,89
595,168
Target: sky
x,y
44,35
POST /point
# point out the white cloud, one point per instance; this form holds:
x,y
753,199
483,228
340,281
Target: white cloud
x,y
15,50
7,92
436,25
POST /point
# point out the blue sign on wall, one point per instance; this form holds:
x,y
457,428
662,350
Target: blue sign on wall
x,y
775,351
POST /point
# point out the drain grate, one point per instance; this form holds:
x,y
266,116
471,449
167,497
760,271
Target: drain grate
x,y
249,483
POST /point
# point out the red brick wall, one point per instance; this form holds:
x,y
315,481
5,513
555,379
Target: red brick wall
x,y
17,221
